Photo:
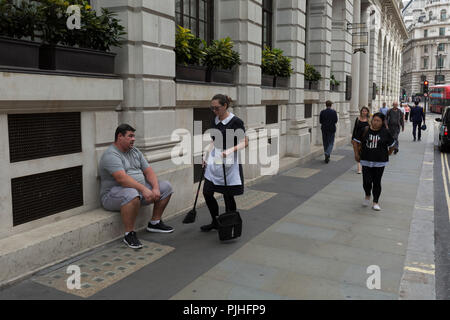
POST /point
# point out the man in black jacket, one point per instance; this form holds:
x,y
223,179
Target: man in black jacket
x,y
416,116
328,119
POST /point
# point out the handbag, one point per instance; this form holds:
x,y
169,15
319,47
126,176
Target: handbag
x,y
230,222
423,127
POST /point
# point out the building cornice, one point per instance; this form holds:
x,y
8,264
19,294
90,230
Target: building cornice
x,y
392,7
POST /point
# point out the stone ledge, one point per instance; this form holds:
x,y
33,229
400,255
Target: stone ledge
x,y
41,92
24,254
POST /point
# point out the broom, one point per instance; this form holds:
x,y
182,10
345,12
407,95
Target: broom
x,y
190,216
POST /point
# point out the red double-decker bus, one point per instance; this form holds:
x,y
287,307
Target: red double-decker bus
x,y
439,97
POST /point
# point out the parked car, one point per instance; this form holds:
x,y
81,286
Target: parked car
x,y
444,137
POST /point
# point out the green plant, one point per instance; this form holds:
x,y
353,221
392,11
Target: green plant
x,y
220,55
311,74
19,20
274,63
333,81
188,48
99,32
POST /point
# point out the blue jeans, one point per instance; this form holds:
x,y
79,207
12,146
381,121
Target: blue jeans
x,y
328,142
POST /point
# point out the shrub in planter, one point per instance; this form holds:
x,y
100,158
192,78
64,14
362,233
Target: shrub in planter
x,y
19,21
189,51
334,84
92,42
220,59
273,63
311,75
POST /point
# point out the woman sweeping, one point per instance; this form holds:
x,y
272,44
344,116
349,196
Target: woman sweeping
x,y
224,149
361,122
373,146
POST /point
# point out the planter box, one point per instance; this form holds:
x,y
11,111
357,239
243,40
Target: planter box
x,y
267,80
19,53
282,82
334,87
220,76
76,59
312,85
191,73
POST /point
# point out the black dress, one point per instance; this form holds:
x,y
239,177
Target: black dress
x,y
235,123
358,126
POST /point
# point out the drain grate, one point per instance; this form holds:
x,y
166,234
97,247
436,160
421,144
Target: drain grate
x,y
41,195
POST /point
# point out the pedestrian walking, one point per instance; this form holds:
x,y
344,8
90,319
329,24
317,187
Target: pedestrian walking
x,y
328,119
417,115
407,111
384,109
361,122
395,123
373,145
223,149
128,182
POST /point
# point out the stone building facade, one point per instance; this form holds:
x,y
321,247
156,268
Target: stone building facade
x,y
425,54
147,95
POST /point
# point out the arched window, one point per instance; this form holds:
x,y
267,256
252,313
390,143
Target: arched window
x,y
267,19
196,15
443,14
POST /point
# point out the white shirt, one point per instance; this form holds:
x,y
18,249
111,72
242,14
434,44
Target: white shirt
x,y
214,168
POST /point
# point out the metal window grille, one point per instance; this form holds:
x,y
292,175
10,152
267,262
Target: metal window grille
x,y
34,136
41,195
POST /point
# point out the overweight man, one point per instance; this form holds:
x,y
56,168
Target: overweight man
x,y
128,183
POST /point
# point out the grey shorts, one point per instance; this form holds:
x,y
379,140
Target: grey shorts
x,y
120,196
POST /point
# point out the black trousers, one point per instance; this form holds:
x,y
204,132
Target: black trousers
x,y
372,181
213,206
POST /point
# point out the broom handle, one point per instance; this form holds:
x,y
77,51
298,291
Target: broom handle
x,y
198,190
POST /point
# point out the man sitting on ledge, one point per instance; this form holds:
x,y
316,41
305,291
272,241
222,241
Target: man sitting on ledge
x,y
128,182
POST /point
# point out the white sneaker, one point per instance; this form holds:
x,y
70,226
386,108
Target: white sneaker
x,y
366,202
376,207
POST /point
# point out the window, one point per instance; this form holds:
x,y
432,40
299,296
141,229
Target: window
x,y
425,33
440,62
308,110
425,63
196,15
267,23
443,15
425,49
271,114
441,47
206,117
439,78
442,31
430,15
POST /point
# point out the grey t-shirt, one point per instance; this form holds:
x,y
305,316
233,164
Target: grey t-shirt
x,y
132,162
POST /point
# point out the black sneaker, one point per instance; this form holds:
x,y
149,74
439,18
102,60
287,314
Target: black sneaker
x,y
160,227
327,158
132,241
209,227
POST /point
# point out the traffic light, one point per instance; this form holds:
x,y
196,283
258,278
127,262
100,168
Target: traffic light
x,y
425,87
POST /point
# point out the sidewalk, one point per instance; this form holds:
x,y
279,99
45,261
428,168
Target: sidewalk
x,y
305,236
322,248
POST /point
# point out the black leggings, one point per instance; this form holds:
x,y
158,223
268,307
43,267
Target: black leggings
x,y
213,206
372,180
